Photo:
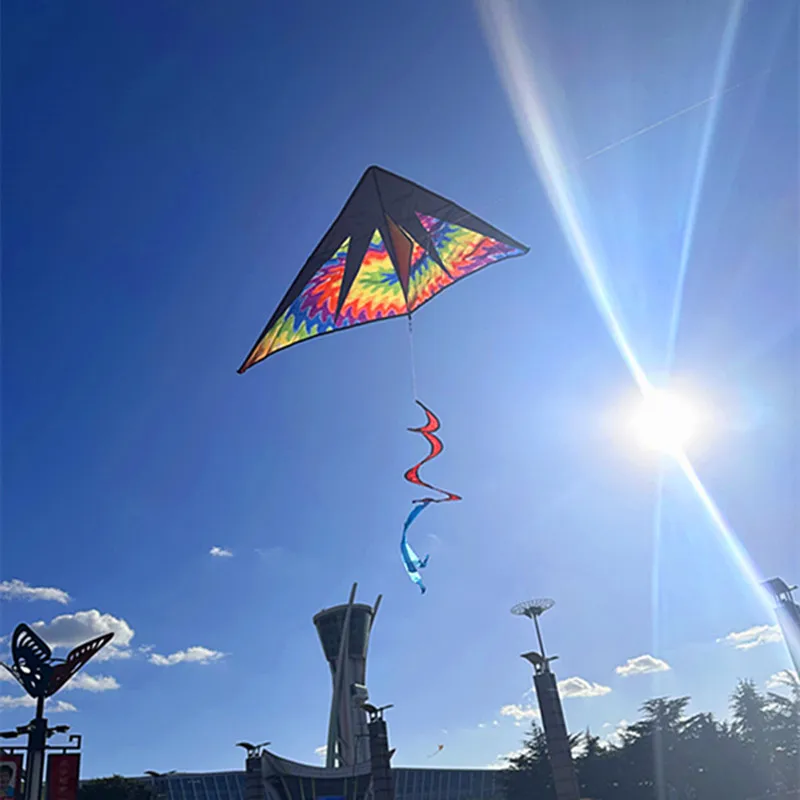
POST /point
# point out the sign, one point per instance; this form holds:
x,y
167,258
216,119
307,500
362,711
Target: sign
x,y
10,775
63,770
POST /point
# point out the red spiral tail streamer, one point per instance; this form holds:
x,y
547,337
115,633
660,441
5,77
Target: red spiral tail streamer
x,y
428,430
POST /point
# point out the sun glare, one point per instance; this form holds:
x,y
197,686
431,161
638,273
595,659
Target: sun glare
x,y
664,422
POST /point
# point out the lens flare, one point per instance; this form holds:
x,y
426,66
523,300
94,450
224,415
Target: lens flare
x,y
664,422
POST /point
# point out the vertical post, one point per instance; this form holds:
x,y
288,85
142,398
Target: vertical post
x,y
380,762
555,729
37,740
539,635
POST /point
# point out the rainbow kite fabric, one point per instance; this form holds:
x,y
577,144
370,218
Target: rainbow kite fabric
x,y
392,248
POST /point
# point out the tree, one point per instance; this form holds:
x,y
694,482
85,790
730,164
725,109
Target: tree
x,y
670,755
115,788
528,774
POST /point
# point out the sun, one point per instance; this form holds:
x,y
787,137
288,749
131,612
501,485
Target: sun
x,y
665,422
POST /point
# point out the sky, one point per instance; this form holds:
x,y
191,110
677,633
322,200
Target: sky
x,y
167,169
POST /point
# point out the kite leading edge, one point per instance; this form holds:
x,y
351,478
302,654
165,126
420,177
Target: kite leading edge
x,y
393,247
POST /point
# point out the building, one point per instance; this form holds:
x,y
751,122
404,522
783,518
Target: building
x,y
409,784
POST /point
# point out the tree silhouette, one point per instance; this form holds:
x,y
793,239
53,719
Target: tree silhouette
x,y
667,755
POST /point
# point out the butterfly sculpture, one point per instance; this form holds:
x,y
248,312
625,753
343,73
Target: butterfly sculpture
x,y
41,675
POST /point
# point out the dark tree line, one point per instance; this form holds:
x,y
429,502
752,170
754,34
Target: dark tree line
x,y
668,755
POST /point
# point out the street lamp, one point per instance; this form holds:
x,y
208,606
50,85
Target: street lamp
x,y
555,728
41,676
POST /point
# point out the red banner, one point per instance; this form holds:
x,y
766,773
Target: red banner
x,y
10,775
63,770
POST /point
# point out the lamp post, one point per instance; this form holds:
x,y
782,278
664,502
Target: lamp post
x,y
555,728
41,676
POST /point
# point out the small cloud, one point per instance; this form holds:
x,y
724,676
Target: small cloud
x,y
19,590
753,637
495,723
642,665
322,752
785,679
614,736
481,724
519,712
54,707
580,687
221,552
146,648
192,655
68,630
92,683
501,762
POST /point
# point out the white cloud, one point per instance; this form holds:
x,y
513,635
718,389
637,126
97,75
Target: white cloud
x,y
519,712
192,655
68,630
785,679
92,683
54,707
19,590
753,637
580,687
221,552
642,665
88,683
322,752
501,762
614,737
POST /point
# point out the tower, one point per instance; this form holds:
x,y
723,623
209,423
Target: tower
x,y
344,633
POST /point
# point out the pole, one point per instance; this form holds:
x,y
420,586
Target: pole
x,y
555,730
37,741
539,635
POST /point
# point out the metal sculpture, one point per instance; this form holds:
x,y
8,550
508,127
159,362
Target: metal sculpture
x,y
41,676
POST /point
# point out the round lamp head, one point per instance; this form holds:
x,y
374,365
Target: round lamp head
x,y
533,608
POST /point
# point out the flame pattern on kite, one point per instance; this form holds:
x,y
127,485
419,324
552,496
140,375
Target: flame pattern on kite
x,y
411,561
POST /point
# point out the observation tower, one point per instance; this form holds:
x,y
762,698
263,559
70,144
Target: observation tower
x,y
344,633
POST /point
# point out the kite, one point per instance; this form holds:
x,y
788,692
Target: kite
x,y
393,247
437,751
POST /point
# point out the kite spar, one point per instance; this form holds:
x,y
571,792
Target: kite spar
x,y
393,247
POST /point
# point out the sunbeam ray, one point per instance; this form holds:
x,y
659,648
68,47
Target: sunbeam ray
x,y
527,102
720,75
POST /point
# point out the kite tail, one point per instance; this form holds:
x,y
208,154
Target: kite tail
x,y
412,562
428,430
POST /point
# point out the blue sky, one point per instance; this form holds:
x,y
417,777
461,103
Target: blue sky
x,y
168,169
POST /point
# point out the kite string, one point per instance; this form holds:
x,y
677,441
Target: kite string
x,y
413,360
